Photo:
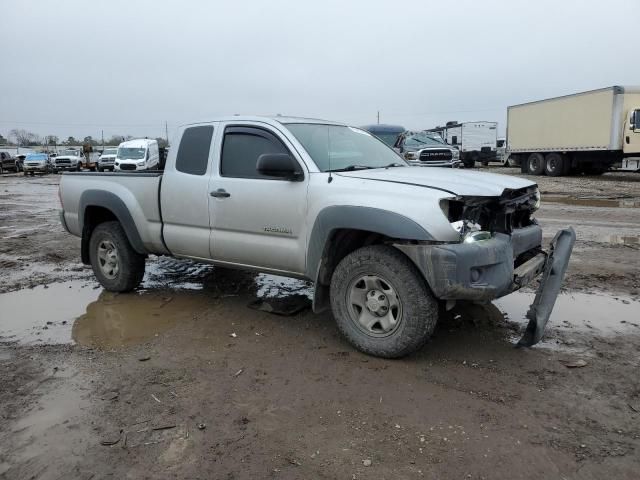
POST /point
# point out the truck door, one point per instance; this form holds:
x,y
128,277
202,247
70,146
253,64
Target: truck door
x,y
184,194
631,138
257,220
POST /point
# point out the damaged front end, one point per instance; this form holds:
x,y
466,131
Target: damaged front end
x,y
499,251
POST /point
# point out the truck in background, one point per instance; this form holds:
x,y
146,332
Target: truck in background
x,y
587,132
139,154
426,149
475,140
387,133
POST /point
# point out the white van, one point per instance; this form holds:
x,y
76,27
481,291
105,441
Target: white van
x,y
140,154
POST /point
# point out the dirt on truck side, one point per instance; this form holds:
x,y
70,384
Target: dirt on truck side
x,y
214,373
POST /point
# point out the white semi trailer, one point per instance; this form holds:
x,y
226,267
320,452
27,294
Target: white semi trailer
x,y
586,132
476,141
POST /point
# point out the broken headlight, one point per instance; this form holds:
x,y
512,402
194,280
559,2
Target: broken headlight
x,y
477,236
537,199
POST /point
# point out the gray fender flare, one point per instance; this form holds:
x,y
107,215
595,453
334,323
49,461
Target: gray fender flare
x,y
111,202
369,219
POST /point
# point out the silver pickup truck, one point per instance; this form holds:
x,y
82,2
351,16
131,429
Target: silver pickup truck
x,y
386,244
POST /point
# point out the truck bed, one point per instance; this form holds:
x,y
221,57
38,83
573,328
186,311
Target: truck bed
x,y
137,193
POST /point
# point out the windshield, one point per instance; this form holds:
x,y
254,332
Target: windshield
x,y
36,156
110,151
422,139
388,138
70,153
131,153
334,147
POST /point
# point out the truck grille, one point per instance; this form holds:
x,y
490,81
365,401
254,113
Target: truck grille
x,y
63,161
127,166
436,155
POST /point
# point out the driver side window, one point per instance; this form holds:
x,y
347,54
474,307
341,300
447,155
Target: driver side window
x,y
241,148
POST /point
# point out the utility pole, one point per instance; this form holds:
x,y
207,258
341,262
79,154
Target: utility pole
x,y
166,132
378,117
102,135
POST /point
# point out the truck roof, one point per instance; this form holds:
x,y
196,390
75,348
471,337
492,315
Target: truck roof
x,y
137,143
383,128
271,119
458,124
617,89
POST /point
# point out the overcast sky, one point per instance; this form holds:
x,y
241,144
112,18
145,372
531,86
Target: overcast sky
x,y
78,67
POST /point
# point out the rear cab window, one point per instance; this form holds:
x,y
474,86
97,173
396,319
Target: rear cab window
x,y
193,153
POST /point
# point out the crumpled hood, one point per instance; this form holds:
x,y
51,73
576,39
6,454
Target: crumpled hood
x,y
455,181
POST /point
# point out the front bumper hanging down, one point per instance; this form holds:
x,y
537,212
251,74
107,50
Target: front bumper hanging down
x,y
550,283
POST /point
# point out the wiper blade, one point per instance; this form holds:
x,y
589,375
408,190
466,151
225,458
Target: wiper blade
x,y
395,164
351,168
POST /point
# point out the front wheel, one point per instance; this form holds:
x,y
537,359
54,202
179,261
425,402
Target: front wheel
x,y
117,266
381,303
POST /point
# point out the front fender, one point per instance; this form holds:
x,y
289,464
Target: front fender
x,y
368,219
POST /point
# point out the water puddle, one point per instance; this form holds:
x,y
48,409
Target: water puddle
x,y
44,314
80,311
579,312
275,286
175,291
592,202
115,320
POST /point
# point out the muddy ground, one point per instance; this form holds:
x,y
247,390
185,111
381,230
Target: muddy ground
x,y
183,379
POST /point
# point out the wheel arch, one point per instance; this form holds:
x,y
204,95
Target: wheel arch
x,y
339,230
99,206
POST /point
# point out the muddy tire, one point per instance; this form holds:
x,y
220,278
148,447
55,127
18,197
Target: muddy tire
x,y
117,266
381,303
535,164
555,164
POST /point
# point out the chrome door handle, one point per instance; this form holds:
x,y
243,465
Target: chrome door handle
x,y
220,193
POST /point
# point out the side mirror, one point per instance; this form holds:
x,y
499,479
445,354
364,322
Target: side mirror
x,y
279,165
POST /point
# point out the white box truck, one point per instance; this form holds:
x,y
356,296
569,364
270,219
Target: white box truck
x,y
475,140
581,133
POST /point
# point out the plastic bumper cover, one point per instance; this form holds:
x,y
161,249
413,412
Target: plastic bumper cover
x,y
476,271
484,270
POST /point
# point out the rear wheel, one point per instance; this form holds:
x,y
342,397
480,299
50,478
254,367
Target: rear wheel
x,y
117,266
381,303
554,164
535,164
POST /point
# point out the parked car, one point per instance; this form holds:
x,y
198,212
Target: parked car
x,y
107,159
387,133
69,159
141,154
386,244
426,150
9,163
37,163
